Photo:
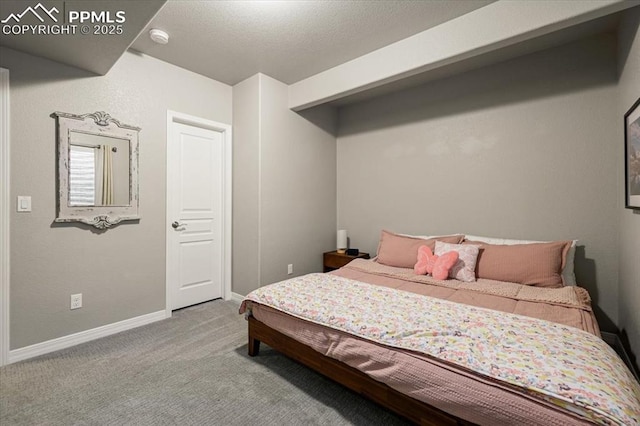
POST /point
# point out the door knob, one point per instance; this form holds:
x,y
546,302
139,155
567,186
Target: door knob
x,y
176,224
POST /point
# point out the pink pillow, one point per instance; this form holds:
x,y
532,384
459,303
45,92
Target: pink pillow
x,y
442,267
465,267
426,261
402,251
538,264
437,266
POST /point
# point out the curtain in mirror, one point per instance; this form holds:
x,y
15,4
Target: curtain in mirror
x,y
107,175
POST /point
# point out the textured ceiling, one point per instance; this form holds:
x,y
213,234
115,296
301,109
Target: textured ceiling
x,y
230,41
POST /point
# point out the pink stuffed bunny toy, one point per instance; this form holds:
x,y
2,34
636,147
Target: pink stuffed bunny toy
x,y
437,266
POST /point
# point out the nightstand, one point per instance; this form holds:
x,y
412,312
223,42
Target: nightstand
x,y
333,260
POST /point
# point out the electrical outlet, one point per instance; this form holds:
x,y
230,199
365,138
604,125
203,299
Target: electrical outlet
x,y
76,301
290,269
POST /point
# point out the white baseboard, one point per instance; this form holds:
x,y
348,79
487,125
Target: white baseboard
x,y
238,298
83,336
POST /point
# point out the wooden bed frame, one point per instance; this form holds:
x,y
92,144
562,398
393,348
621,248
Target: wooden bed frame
x,y
412,409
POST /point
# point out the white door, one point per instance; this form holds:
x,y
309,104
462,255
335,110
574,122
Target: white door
x,y
195,271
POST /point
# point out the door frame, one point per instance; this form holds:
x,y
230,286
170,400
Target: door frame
x,y
225,130
5,213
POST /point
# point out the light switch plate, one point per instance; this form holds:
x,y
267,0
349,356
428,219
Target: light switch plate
x,y
24,203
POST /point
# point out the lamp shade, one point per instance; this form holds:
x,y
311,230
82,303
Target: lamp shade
x,y
342,239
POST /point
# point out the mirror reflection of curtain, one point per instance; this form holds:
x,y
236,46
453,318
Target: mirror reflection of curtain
x,y
107,175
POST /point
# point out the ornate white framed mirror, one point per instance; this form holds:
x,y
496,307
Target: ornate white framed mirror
x,y
97,169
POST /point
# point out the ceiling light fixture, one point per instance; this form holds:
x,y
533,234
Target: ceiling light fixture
x,y
159,36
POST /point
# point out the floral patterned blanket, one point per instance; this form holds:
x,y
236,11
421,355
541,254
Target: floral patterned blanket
x,y
556,363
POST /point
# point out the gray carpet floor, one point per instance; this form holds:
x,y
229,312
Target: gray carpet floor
x,y
191,369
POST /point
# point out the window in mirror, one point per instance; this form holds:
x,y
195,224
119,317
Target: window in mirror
x,y
82,175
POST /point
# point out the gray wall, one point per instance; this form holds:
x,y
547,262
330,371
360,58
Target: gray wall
x,y
246,186
520,149
298,184
285,185
120,272
629,92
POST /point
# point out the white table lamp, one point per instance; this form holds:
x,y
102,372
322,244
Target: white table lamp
x,y
342,241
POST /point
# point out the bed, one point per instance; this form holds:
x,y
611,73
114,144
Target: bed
x,y
449,351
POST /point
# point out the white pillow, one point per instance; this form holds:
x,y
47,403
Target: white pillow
x,y
465,267
568,274
429,237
